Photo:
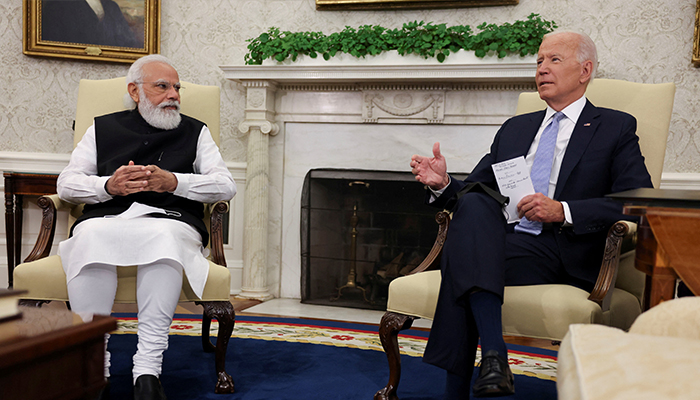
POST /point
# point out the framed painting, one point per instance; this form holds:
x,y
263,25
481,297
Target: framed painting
x,y
406,4
696,36
102,30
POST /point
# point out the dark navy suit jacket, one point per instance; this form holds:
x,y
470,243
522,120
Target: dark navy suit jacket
x,y
602,157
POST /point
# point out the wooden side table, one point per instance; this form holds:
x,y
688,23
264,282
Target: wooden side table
x,y
52,354
18,184
667,234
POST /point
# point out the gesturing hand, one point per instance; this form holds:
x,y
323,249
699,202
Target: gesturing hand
x,y
431,171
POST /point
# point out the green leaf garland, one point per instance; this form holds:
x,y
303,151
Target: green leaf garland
x,y
427,40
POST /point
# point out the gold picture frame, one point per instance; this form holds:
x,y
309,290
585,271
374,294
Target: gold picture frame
x,y
110,30
696,36
331,5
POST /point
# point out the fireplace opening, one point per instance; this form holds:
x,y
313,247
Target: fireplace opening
x,y
359,231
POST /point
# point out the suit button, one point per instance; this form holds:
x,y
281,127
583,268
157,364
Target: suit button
x,y
145,142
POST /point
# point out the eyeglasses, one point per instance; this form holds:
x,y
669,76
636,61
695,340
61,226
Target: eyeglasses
x,y
162,87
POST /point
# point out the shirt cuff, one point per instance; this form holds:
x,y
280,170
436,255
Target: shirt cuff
x,y
101,189
437,193
183,184
568,219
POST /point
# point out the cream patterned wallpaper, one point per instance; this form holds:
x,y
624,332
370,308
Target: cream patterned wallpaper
x,y
638,40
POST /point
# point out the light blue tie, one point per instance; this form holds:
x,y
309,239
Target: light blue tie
x,y
542,170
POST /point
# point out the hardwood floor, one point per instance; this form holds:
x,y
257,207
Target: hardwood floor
x,y
532,342
189,307
240,305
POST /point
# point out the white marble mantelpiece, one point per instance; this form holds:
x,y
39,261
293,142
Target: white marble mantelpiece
x,y
458,68
373,115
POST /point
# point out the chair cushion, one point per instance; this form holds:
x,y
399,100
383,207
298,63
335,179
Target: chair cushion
x,y
538,311
624,310
45,280
677,318
415,295
596,362
629,278
545,311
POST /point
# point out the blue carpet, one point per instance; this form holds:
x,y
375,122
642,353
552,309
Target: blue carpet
x,y
282,370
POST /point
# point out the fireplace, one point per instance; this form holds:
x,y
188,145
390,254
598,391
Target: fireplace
x,y
334,119
359,231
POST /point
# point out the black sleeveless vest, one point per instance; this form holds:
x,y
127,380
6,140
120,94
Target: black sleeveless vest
x,y
125,136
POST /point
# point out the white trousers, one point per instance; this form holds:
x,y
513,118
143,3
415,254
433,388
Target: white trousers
x,y
158,287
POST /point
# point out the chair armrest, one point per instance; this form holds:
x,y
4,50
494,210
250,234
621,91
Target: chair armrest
x,y
621,231
49,205
217,210
432,260
58,203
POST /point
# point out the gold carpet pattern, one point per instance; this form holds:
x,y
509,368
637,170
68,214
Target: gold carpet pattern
x,y
307,331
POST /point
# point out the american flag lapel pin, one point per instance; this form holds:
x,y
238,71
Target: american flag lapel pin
x,y
587,124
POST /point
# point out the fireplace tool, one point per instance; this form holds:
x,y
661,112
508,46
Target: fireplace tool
x,y
352,275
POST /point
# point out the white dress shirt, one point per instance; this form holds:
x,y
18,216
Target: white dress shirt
x,y
125,239
211,182
566,128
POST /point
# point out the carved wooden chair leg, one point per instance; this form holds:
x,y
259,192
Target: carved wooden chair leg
x,y
206,331
389,328
224,313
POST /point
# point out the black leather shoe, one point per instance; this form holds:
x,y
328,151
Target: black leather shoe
x,y
495,378
148,387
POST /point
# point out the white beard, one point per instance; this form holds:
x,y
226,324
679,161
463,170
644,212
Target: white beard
x,y
157,115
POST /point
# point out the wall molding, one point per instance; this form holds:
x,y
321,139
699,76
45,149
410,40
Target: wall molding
x,y
54,163
449,86
680,180
49,163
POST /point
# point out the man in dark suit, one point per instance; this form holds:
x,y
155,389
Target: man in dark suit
x,y
577,154
94,22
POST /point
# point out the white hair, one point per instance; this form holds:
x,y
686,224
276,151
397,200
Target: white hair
x,y
135,74
155,114
585,51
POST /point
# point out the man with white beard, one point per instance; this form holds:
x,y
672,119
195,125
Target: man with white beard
x,y
143,175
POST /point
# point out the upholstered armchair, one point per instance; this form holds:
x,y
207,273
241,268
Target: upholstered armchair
x,y
656,359
41,274
546,311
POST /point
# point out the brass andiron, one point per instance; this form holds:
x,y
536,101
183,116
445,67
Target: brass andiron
x,y
352,275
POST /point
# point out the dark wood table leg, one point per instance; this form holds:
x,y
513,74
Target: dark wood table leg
x,y
19,216
663,285
18,184
9,232
646,298
646,257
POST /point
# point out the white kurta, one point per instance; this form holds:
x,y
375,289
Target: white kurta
x,y
128,239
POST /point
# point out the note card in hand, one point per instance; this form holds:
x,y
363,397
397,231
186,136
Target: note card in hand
x,y
514,182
